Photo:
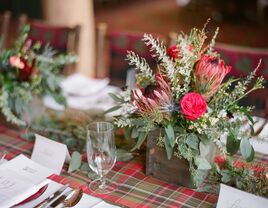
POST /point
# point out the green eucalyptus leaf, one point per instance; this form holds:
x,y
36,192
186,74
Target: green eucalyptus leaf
x,y
170,135
29,136
204,149
205,188
115,97
169,148
178,129
141,138
232,144
114,108
225,176
138,122
200,176
127,133
75,162
192,141
92,175
85,167
134,133
247,150
202,163
70,142
123,155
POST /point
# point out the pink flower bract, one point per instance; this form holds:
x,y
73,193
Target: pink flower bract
x,y
210,72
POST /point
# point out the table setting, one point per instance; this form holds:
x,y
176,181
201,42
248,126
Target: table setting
x,y
177,138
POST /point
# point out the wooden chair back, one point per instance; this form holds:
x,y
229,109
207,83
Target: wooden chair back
x,y
61,38
243,60
118,43
5,23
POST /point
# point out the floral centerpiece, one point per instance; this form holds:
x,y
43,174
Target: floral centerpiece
x,y
186,97
26,70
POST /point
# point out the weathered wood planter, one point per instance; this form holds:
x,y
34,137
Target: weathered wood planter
x,y
175,170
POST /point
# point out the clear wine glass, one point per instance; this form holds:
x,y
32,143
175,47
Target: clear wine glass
x,y
101,155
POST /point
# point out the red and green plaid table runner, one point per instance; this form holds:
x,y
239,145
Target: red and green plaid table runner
x,y
134,188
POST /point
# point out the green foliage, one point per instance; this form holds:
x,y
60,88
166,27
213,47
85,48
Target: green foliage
x,y
247,150
75,162
28,71
123,155
232,144
141,139
247,177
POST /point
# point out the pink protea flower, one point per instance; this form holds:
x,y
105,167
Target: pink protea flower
x,y
210,72
154,97
15,61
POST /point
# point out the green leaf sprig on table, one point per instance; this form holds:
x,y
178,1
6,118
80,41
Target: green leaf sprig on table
x,y
69,127
249,177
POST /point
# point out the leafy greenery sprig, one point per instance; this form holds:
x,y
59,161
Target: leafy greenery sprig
x,y
251,178
28,71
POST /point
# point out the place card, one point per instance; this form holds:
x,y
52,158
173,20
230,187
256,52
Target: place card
x,y
233,198
49,153
19,179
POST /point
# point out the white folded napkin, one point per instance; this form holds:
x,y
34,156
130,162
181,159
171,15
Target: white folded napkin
x,y
84,93
100,100
81,85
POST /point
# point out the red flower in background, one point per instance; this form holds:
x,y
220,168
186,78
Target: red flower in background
x,y
173,52
220,160
193,106
256,168
26,72
210,72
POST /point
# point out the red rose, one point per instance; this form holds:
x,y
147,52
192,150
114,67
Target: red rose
x,y
173,52
26,72
193,106
220,161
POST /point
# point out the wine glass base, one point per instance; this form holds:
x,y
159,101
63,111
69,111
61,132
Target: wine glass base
x,y
98,187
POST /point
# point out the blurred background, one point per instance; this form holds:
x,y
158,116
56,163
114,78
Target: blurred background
x,y
101,31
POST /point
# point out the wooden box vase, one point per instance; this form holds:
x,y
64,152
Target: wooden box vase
x,y
175,170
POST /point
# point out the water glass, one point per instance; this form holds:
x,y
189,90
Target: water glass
x,y
101,155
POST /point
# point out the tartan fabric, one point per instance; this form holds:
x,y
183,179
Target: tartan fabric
x,y
134,188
